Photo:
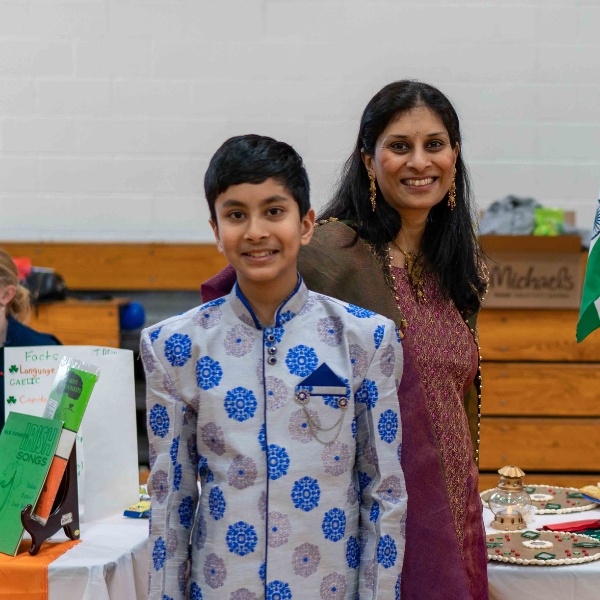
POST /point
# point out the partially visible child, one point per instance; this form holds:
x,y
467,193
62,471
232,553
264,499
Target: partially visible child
x,y
14,313
284,403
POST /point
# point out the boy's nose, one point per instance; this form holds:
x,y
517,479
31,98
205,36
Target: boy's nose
x,y
256,229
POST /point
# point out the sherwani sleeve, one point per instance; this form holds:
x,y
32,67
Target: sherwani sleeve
x,y
172,484
382,490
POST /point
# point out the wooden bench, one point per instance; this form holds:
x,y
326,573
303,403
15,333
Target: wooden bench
x,y
124,267
541,397
80,322
541,390
113,267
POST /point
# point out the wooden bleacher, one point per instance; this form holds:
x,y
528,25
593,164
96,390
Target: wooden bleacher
x,y
124,266
540,389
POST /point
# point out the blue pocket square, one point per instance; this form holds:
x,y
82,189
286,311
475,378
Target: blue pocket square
x,y
324,382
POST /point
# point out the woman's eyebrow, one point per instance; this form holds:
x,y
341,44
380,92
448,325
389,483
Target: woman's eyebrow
x,y
401,136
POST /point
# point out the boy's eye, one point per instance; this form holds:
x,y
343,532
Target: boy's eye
x,y
275,210
236,215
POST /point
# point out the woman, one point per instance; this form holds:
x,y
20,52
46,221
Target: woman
x,y
406,188
14,309
398,238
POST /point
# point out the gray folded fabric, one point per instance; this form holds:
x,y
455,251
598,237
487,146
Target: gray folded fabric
x,y
509,216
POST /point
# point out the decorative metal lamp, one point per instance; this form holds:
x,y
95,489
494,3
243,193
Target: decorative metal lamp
x,y
509,502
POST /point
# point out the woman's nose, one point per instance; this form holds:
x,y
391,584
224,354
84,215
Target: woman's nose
x,y
418,159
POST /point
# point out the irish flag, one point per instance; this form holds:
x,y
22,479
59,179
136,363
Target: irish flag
x,y
589,315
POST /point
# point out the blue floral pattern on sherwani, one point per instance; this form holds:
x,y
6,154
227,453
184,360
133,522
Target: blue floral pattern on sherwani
x,y
302,493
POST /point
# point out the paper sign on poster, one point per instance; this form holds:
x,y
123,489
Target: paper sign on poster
x,y
107,459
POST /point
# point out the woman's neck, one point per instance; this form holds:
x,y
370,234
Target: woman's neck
x,y
410,236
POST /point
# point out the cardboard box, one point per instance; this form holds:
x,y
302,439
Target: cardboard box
x,y
528,271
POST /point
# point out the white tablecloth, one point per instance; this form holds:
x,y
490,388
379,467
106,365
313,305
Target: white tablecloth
x,y
110,563
566,582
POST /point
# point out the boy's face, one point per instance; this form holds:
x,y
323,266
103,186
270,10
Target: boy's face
x,y
259,230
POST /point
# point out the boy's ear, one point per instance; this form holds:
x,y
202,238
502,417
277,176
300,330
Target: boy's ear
x,y
215,228
308,227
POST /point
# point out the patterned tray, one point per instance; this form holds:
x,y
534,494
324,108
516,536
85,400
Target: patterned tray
x,y
552,500
546,548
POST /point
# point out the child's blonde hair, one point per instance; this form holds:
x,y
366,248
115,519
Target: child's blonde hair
x,y
19,307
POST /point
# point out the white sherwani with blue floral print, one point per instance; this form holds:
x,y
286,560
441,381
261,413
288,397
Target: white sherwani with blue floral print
x,y
293,431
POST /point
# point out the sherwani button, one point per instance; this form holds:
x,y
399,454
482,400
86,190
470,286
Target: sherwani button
x,y
271,360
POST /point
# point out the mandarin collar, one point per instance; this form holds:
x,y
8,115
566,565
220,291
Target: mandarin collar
x,y
287,310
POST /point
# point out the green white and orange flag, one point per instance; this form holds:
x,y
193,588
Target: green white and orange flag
x,y
589,314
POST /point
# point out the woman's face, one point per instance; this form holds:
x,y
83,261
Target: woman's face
x,y
413,161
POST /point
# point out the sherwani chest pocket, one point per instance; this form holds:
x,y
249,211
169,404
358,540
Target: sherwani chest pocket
x,y
324,398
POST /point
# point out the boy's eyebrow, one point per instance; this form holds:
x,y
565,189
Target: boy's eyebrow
x,y
232,202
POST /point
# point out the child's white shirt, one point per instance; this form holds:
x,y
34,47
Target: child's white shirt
x,y
294,433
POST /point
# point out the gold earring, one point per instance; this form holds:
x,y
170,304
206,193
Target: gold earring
x,y
452,192
372,191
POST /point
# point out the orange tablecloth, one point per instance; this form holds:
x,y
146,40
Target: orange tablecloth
x,y
25,577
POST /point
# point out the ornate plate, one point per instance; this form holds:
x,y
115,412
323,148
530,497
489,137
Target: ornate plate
x,y
552,500
546,548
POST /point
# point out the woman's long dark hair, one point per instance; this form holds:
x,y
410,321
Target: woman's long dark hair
x,y
449,243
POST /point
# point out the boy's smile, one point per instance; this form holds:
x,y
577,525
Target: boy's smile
x,y
260,231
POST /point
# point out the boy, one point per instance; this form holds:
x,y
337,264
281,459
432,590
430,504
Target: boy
x,y
284,403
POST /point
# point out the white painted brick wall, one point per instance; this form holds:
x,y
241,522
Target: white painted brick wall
x,y
111,109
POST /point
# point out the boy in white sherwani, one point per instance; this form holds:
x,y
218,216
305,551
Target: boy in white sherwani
x,y
283,403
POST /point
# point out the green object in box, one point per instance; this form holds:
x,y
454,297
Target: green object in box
x,y
548,221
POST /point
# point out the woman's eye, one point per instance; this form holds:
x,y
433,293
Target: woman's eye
x,y
436,144
399,146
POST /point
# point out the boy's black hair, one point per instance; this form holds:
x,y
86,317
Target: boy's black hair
x,y
253,159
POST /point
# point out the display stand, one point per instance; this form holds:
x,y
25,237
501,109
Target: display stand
x,y
65,512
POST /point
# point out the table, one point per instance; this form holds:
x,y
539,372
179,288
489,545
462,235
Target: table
x,y
110,563
566,582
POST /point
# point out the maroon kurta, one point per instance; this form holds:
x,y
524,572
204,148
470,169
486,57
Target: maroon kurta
x,y
447,359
